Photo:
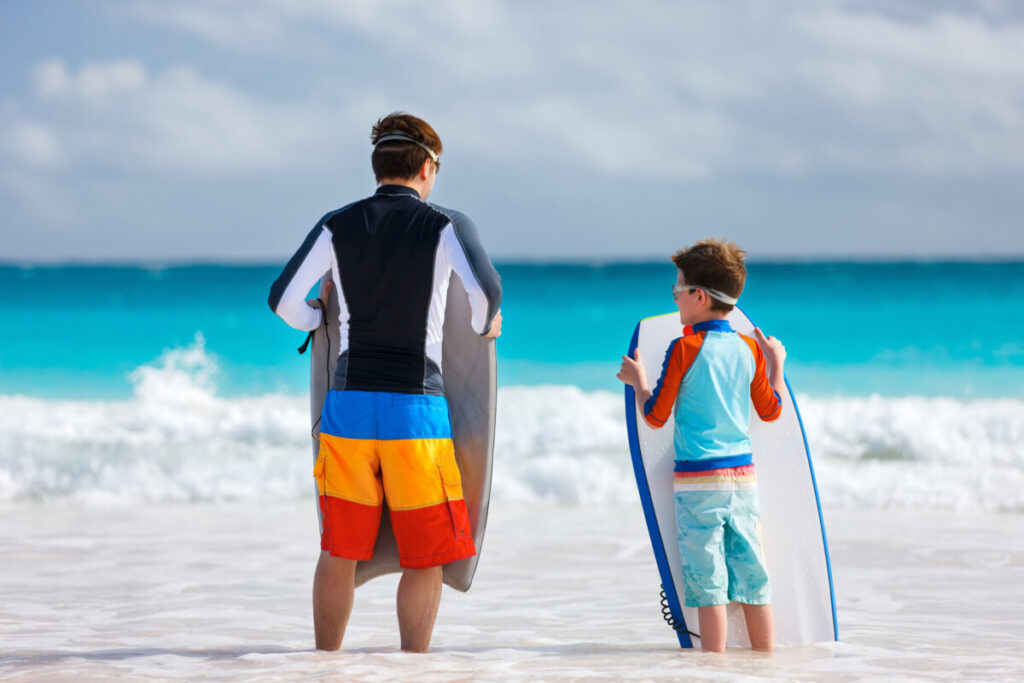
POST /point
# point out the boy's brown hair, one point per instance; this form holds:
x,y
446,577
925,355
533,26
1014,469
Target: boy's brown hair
x,y
401,158
716,264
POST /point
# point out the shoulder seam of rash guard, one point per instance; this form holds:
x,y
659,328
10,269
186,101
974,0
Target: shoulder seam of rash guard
x,y
280,286
451,222
482,283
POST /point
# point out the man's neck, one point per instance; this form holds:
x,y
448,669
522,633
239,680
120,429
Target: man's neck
x,y
414,183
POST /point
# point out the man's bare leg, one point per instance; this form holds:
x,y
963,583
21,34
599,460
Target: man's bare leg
x,y
713,628
419,594
760,626
334,586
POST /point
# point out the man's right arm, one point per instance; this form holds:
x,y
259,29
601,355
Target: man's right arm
x,y
288,293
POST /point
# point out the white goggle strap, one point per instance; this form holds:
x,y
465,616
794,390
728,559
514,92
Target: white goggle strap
x,y
394,137
721,296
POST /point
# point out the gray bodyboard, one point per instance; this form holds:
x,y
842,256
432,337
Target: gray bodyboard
x,y
469,369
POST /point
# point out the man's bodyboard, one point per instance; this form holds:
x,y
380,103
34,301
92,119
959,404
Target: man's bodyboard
x,y
469,370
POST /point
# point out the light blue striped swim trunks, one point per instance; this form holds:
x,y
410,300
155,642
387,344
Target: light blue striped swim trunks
x,y
719,523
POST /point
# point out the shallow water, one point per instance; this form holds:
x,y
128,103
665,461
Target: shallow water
x,y
222,591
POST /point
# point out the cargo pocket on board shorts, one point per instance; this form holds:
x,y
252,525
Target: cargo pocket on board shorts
x,y
318,472
451,480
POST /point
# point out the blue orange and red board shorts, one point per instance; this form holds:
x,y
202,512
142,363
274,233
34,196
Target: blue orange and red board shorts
x,y
380,446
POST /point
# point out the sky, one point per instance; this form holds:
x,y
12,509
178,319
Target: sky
x,y
222,130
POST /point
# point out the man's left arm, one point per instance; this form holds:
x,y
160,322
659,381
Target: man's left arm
x,y
467,258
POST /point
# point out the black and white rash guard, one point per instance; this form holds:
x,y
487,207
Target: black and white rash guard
x,y
391,256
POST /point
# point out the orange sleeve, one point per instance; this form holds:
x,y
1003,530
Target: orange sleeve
x,y
767,401
678,359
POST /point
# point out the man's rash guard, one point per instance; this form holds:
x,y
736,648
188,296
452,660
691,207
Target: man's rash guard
x,y
391,256
706,375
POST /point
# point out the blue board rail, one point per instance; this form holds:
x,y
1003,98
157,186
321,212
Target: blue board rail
x,y
667,582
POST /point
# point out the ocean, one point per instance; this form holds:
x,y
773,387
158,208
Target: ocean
x,y
158,510
177,383
852,329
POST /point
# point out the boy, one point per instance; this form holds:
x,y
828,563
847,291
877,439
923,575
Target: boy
x,y
711,374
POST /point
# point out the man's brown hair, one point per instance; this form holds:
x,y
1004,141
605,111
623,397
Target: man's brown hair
x,y
716,264
401,158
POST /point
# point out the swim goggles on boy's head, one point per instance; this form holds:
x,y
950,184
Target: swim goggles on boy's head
x,y
395,137
678,289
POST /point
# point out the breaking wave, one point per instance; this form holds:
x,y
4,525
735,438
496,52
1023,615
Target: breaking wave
x,y
177,440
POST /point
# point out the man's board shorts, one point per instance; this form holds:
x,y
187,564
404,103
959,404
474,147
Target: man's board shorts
x,y
719,522
377,446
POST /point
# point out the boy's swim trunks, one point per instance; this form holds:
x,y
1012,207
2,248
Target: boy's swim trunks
x,y
719,525
377,446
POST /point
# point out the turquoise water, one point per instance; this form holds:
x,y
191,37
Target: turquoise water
x,y
950,329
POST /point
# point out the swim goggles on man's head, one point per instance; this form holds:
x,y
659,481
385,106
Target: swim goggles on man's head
x,y
395,137
678,289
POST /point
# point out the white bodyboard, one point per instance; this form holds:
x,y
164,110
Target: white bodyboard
x,y
793,530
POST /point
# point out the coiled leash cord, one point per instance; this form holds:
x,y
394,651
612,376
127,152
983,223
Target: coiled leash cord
x,y
327,366
666,613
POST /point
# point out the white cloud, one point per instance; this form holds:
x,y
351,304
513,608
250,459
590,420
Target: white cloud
x,y
474,40
34,144
116,115
565,97
944,43
245,26
93,81
689,91
692,92
51,78
692,89
940,95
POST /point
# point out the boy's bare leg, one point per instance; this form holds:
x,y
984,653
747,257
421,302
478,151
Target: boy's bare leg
x,y
419,594
760,626
713,628
334,586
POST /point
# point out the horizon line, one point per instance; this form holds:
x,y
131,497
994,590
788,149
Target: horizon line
x,y
594,262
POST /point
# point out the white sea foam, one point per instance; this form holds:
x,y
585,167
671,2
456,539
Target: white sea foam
x,y
177,440
918,452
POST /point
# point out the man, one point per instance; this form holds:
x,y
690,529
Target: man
x,y
385,431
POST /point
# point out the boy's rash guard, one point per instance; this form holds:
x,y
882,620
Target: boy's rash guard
x,y
391,256
701,376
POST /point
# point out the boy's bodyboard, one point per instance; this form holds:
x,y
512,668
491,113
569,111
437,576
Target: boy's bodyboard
x,y
793,531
